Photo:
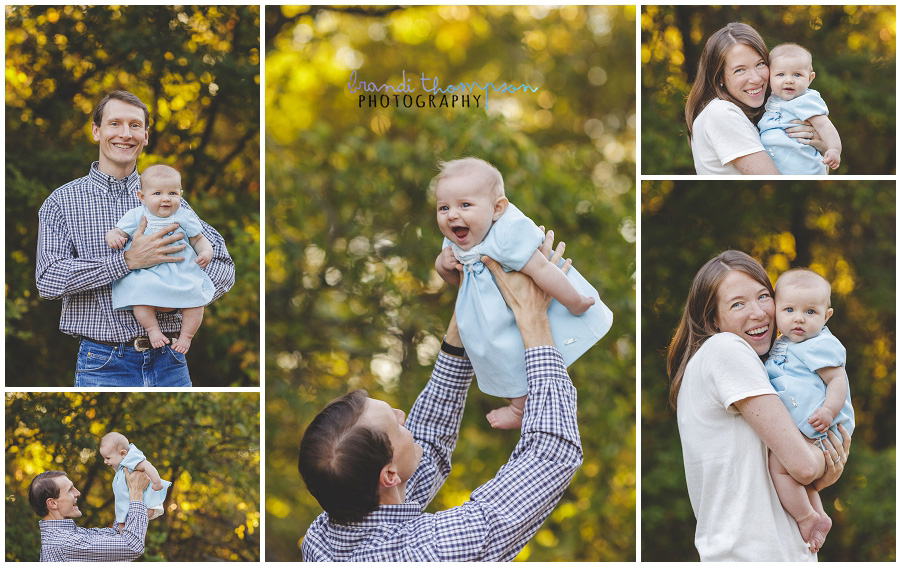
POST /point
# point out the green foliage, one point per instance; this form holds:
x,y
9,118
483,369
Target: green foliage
x,y
352,297
853,51
197,68
847,233
207,444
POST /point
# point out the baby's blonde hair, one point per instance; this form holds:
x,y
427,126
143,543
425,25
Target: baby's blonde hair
x,y
160,172
492,178
804,277
790,49
116,439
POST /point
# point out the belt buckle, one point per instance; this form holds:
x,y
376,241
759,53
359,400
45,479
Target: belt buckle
x,y
141,344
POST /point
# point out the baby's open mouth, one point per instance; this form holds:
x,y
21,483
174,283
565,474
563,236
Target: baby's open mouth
x,y
460,232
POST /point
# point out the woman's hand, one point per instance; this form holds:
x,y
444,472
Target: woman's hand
x,y
836,455
806,134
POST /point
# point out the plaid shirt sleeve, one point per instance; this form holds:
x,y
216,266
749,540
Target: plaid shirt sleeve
x,y
221,268
505,512
434,422
60,271
100,544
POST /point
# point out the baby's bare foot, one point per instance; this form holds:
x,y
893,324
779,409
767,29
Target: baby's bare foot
x,y
818,537
182,344
157,338
507,417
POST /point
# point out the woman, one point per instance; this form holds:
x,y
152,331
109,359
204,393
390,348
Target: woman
x,y
726,101
728,415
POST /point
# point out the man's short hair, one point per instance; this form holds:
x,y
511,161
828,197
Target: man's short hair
x,y
125,97
340,461
41,488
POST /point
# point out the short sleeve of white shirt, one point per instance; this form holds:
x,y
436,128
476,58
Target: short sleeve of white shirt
x,y
720,134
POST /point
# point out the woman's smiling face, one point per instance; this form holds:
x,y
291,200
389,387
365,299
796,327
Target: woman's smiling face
x,y
745,307
746,75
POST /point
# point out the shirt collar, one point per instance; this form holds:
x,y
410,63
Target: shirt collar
x,y
108,183
64,524
385,514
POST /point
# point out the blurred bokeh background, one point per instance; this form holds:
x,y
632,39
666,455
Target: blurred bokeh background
x,y
853,50
197,69
352,297
207,444
846,232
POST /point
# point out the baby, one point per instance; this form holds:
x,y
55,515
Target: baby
x,y
791,71
169,285
806,368
476,219
119,454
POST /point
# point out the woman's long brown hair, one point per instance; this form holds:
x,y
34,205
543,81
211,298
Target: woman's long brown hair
x,y
708,83
697,323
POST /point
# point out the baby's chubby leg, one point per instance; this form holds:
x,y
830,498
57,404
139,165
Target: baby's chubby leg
x,y
795,500
508,417
146,316
190,322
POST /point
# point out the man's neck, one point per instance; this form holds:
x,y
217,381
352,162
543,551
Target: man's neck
x,y
393,496
114,170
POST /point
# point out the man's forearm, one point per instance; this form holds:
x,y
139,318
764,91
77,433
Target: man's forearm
x,y
135,528
434,422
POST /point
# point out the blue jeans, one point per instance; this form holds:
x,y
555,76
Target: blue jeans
x,y
101,366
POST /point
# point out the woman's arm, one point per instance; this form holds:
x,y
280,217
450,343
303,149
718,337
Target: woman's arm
x,y
806,134
769,419
758,163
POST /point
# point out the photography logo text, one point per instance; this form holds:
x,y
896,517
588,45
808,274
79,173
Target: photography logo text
x,y
426,91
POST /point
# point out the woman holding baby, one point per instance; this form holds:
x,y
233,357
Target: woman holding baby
x,y
729,416
726,101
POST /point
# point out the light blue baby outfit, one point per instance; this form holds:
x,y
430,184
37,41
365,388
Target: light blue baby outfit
x,y
792,369
486,325
791,157
153,499
170,284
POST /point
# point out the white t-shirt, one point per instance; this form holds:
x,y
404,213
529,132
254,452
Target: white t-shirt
x,y
720,134
733,498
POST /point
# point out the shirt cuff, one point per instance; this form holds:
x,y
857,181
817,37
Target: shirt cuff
x,y
116,266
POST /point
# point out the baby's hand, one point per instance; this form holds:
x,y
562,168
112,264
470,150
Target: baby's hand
x,y
448,267
820,419
114,239
157,485
832,158
203,260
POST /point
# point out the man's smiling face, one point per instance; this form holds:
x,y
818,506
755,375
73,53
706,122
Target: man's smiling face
x,y
122,135
66,506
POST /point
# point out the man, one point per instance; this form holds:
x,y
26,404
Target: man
x,y
53,498
374,477
75,264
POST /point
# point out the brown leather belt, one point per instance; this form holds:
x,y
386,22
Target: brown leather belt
x,y
140,344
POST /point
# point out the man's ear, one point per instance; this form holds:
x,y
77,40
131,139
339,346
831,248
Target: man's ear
x,y
499,207
51,504
828,314
388,476
95,130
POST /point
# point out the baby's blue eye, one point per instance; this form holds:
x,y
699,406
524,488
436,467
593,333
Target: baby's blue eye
x,y
810,311
789,310
464,205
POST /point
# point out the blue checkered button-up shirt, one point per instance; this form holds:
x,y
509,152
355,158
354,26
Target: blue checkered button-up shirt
x,y
75,264
502,514
62,540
